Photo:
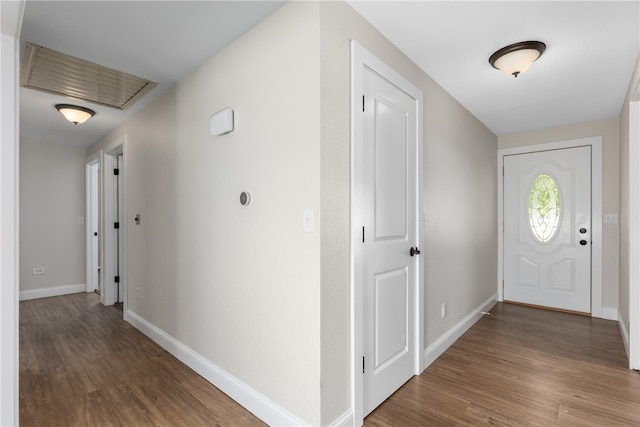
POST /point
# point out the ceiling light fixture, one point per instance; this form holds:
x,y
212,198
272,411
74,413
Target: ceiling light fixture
x,y
516,58
74,113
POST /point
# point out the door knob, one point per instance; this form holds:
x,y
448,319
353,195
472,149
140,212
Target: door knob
x,y
583,230
583,242
414,251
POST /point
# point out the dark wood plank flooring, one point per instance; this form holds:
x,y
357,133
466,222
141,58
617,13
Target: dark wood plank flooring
x,y
523,366
82,365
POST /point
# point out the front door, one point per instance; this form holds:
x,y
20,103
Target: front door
x,y
547,229
390,231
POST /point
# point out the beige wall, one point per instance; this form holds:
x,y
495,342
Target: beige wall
x,y
609,130
239,285
625,241
244,286
52,198
460,230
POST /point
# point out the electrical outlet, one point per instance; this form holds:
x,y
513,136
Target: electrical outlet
x,y
610,218
444,310
38,270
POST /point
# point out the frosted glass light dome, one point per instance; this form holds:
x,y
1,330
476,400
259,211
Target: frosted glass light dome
x,y
517,58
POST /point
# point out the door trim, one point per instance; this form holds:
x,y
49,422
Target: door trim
x,y
633,350
596,210
89,162
362,58
109,245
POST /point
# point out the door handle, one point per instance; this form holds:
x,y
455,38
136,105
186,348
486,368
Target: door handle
x,y
583,242
414,251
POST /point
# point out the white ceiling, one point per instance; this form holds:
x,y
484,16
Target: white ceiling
x,y
583,75
158,40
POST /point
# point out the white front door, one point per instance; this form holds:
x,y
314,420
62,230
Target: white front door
x,y
389,232
547,229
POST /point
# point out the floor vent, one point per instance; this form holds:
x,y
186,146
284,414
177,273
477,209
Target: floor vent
x,y
54,72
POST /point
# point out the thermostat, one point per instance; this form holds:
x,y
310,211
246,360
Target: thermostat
x,y
245,198
221,122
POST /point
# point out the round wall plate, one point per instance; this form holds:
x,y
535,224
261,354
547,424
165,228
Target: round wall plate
x,y
245,198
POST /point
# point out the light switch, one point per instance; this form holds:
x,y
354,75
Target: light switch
x,y
307,220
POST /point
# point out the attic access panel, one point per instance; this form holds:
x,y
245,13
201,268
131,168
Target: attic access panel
x,y
50,71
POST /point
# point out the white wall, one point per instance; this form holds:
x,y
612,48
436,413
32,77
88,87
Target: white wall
x,y
609,130
52,199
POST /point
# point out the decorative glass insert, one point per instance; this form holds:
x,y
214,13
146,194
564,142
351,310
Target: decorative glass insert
x,y
544,208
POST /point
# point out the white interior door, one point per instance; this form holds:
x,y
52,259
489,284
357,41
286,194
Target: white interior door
x,y
547,229
389,233
94,226
113,225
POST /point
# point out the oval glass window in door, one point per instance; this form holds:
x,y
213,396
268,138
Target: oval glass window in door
x,y
544,208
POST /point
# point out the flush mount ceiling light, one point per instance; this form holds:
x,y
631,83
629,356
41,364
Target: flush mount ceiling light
x,y
517,58
74,113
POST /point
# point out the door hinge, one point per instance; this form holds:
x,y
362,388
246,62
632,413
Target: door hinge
x,y
363,364
116,225
362,102
503,227
116,279
362,234
116,171
503,171
503,284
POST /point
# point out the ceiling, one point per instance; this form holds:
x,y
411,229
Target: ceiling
x,y
582,76
157,40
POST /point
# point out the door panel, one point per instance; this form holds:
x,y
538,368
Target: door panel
x,y
390,176
391,303
390,223
547,228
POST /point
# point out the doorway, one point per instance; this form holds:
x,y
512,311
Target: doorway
x,y
93,214
583,237
387,234
110,193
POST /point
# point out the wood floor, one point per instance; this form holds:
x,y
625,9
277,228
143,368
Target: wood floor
x,y
81,365
523,366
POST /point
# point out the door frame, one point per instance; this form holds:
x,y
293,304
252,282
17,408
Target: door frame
x,y
110,247
634,223
596,211
362,58
90,270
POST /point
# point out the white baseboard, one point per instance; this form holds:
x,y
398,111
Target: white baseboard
x,y
625,336
53,291
250,399
445,341
609,313
344,420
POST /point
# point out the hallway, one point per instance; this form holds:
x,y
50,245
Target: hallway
x,y
82,365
